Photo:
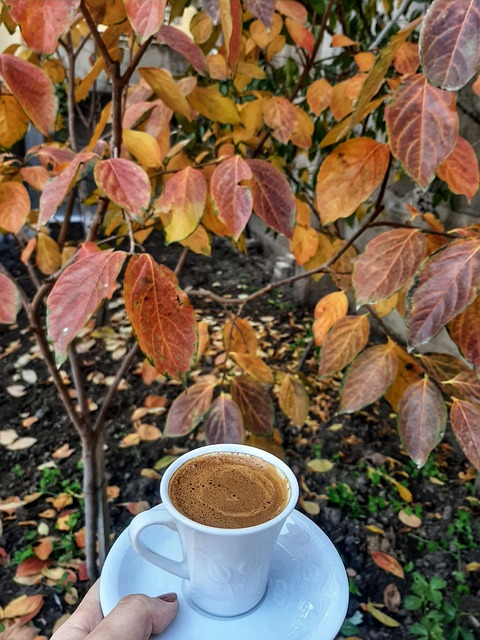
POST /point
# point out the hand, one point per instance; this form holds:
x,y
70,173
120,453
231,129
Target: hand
x,y
135,617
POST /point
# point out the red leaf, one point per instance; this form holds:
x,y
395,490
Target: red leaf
x,y
273,200
255,404
183,203
188,409
77,294
57,189
464,330
460,169
146,16
224,423
422,417
302,37
465,418
367,379
14,206
31,566
422,123
450,56
261,9
43,21
387,563
232,201
33,89
161,315
389,261
444,286
9,300
182,44
124,182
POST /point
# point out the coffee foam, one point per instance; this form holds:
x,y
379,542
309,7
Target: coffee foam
x,y
228,490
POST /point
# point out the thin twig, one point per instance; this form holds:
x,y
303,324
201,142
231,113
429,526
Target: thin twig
x,y
393,20
135,62
96,35
181,260
72,196
97,220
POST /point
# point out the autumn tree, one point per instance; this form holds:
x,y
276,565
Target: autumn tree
x,y
299,114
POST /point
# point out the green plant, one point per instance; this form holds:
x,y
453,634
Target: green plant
x,y
342,495
17,471
441,617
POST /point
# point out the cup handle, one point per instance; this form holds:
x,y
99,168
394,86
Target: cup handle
x,y
156,517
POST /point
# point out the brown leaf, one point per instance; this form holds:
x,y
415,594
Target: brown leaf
x,y
161,315
343,343
387,563
444,286
368,377
407,59
422,124
389,261
422,418
465,418
148,432
348,176
293,400
408,373
450,57
63,452
239,336
392,597
224,423
189,408
255,404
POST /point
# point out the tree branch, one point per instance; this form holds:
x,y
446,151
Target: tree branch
x,y
395,16
96,35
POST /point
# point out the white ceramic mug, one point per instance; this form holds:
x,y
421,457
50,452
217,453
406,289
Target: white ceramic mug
x,y
225,570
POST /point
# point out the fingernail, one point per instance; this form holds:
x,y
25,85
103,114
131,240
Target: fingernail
x,y
168,597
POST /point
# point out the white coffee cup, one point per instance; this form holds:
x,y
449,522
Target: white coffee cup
x,y
225,570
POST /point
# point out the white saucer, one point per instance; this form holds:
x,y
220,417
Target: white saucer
x,y
306,598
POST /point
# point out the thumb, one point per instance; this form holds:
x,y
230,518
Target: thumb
x,y
136,617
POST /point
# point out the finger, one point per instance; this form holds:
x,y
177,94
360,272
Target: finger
x,y
136,617
87,616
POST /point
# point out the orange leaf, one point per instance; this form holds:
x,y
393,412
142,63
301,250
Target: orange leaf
x,y
343,342
365,60
161,315
44,548
407,59
460,169
340,40
303,244
48,257
370,375
24,606
240,336
319,95
344,95
279,114
327,311
348,176
13,122
293,400
14,206
254,366
302,36
148,432
387,563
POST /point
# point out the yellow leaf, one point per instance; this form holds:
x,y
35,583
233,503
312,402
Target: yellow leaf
x,y
385,307
374,529
303,214
167,90
404,493
293,400
254,366
320,465
198,242
217,67
472,566
48,255
144,147
303,244
250,70
388,621
324,252
312,508
263,36
212,104
327,311
13,121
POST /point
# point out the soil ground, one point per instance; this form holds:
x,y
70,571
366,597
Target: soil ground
x,y
366,494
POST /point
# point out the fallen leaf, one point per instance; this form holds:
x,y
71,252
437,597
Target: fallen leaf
x,y
392,597
320,465
380,616
164,462
23,606
8,436
80,537
472,566
312,508
409,519
62,501
65,451
150,473
148,432
387,563
135,507
112,493
16,390
21,443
